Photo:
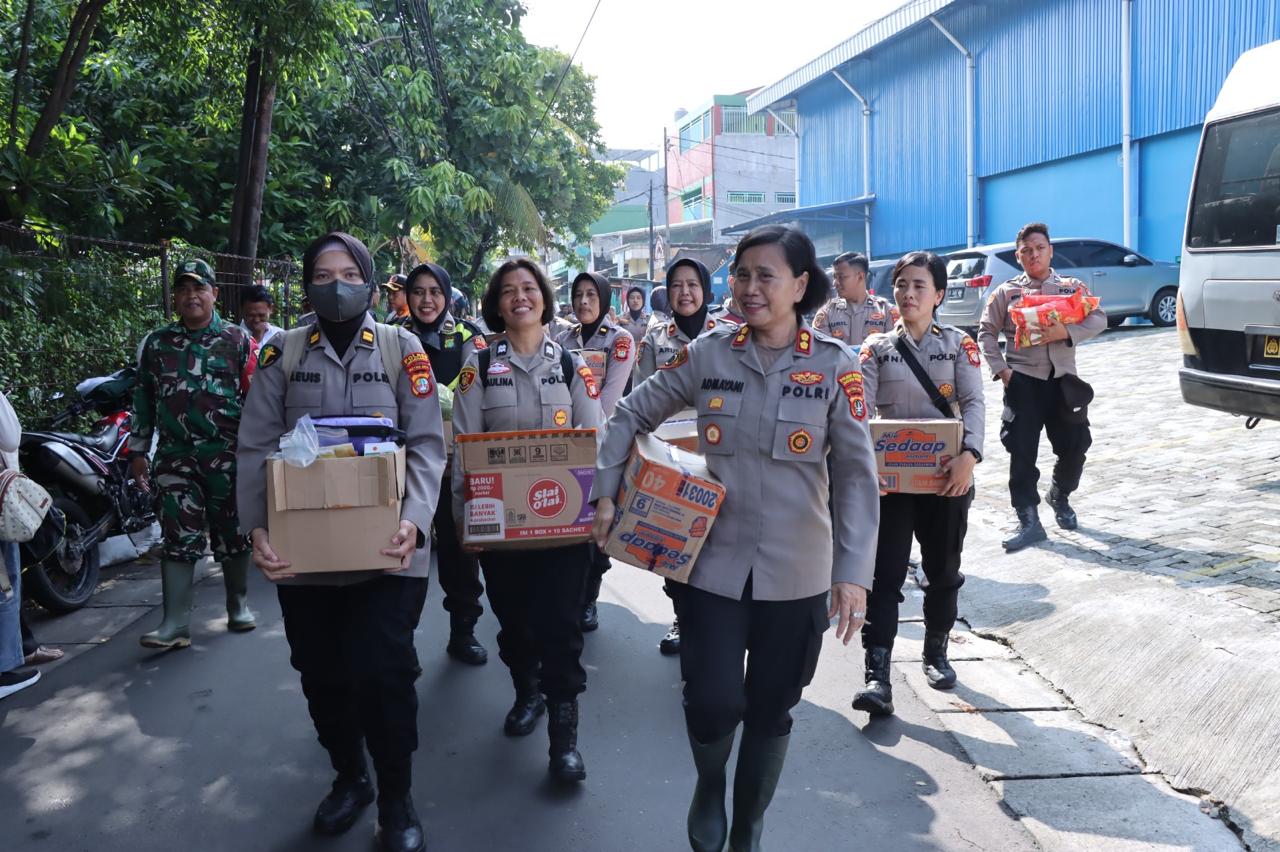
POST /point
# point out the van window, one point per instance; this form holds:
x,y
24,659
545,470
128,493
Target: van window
x,y
1237,193
966,265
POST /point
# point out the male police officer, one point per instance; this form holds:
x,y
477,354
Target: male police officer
x,y
192,379
1042,390
854,313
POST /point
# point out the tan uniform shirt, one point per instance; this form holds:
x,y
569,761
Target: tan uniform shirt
x,y
635,328
853,323
521,392
664,340
621,349
1041,361
326,385
948,355
767,434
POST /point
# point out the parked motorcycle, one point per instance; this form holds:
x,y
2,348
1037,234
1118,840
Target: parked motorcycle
x,y
94,493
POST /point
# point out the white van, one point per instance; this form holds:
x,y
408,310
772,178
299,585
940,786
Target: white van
x,y
1229,295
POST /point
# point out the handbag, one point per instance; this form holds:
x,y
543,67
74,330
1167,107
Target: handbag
x,y
23,505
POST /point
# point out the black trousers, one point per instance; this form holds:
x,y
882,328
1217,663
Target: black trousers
x,y
457,571
939,524
600,564
1032,404
780,641
353,646
537,597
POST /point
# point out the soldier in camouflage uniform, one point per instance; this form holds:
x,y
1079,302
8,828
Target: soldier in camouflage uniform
x,y
192,379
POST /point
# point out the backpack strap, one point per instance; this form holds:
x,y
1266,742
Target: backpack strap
x,y
389,347
566,364
935,395
486,356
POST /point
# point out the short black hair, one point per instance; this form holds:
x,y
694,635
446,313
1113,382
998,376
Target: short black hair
x,y
937,267
1029,229
801,258
258,293
489,302
855,259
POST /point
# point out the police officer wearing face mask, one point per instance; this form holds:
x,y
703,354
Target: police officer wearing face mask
x,y
775,401
594,331
351,633
949,360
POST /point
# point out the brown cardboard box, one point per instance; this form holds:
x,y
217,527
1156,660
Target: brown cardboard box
x,y
665,508
528,489
336,514
681,430
910,453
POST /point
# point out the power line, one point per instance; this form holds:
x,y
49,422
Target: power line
x,y
568,65
723,147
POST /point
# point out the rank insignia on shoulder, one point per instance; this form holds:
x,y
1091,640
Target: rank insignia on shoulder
x,y
417,366
466,378
676,360
549,351
804,342
268,356
366,335
501,349
314,337
740,339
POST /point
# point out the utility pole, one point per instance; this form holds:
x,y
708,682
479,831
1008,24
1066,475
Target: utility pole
x,y
666,182
650,229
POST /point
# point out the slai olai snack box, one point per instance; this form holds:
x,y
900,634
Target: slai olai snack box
x,y
666,505
910,454
527,489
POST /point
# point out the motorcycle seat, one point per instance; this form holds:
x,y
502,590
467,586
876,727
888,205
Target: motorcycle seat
x,y
103,442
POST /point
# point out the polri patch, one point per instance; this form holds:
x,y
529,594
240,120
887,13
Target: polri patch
x,y
590,381
799,442
417,366
466,378
622,347
851,383
268,356
971,350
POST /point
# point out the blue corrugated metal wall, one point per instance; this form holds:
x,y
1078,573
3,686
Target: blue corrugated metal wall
x,y
1048,90
1076,197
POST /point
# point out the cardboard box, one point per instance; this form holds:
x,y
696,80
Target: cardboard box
x,y
680,430
336,514
665,508
910,453
527,489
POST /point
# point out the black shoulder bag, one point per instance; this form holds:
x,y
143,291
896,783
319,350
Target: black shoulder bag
x,y
935,395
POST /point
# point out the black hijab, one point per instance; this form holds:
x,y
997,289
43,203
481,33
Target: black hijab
x,y
635,315
693,324
603,292
446,284
339,334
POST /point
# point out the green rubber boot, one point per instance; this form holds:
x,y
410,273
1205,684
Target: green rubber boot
x,y
235,575
176,579
760,762
708,824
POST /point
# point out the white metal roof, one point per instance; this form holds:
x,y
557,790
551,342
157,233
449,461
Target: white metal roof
x,y
1251,84
880,31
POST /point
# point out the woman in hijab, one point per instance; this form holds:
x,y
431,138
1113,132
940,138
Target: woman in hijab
x,y
449,340
635,319
350,633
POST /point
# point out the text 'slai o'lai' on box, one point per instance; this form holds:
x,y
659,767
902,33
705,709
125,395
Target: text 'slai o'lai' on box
x,y
336,514
665,507
681,429
910,453
527,489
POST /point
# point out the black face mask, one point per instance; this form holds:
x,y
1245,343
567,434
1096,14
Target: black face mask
x,y
340,301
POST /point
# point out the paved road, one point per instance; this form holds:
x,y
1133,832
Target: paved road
x,y
211,749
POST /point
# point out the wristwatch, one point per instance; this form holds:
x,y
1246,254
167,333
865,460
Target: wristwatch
x,y
977,455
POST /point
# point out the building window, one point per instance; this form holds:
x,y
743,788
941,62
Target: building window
x,y
789,118
695,132
739,197
693,206
736,120
784,198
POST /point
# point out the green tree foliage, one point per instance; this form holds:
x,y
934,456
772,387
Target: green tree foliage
x,y
389,116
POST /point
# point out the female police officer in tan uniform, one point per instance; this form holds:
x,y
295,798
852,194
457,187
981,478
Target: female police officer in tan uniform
x,y
774,402
949,357
591,293
351,633
525,380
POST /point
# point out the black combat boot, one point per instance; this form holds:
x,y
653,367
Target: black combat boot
x,y
708,823
590,612
934,661
524,713
463,645
399,829
760,762
562,728
877,698
351,794
670,644
1062,511
1029,530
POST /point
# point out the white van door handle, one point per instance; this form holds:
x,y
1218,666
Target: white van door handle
x,y
1099,273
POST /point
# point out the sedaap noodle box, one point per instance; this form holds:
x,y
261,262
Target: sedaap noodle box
x,y
910,454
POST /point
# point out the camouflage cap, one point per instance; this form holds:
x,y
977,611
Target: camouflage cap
x,y
195,268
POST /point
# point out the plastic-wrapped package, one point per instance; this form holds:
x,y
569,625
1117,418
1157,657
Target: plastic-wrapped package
x,y
300,446
1034,312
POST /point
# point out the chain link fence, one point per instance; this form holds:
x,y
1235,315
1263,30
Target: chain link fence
x,y
74,307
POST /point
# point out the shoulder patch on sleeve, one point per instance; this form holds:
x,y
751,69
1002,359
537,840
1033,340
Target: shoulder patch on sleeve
x,y
417,366
590,381
622,347
851,384
970,350
466,378
677,360
268,355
